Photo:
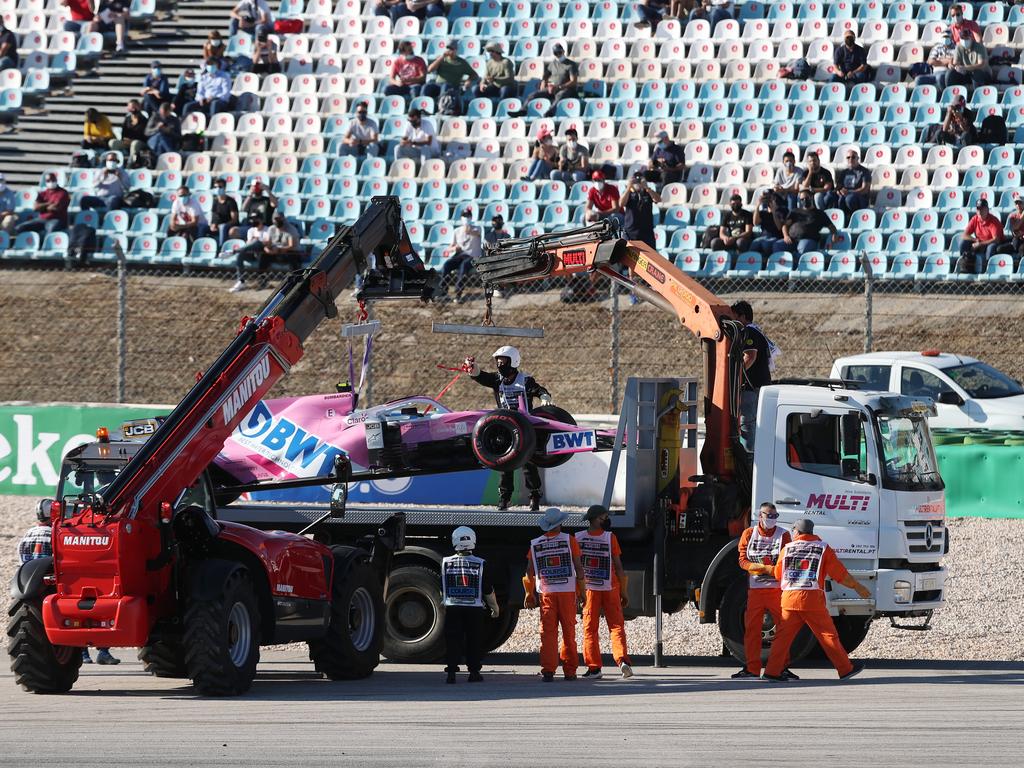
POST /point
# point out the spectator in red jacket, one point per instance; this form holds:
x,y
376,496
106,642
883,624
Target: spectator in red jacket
x,y
602,199
50,209
408,73
983,238
961,26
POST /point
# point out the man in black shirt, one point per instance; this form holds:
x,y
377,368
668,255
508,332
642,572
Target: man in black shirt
x,y
819,182
756,371
736,232
224,214
802,228
638,206
769,215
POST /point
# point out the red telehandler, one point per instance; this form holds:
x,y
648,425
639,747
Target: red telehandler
x,y
139,558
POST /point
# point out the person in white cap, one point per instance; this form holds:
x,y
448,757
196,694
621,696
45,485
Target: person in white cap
x,y
553,568
466,588
515,390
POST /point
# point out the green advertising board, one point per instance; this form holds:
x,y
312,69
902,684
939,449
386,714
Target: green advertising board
x,y
34,439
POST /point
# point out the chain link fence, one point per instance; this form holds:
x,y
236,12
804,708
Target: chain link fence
x,y
92,336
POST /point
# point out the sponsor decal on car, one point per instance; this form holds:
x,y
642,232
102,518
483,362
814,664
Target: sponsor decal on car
x,y
571,442
294,449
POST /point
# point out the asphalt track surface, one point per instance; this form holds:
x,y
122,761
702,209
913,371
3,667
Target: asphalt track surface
x,y
898,714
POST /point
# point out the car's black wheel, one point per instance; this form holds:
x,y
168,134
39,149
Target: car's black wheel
x,y
498,631
37,664
504,440
554,413
351,649
414,627
731,626
164,658
222,644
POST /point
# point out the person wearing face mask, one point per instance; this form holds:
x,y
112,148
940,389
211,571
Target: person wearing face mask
x,y
110,187
667,162
213,47
637,207
759,549
133,130
465,247
265,59
801,231
454,74
961,27
408,73
257,234
769,217
163,131
213,92
736,231
185,90
940,59
970,64
573,160
853,184
851,62
224,213
515,390
419,141
560,80
260,202
187,217
8,206
545,155
787,179
607,583
50,210
499,80
361,137
602,200
466,588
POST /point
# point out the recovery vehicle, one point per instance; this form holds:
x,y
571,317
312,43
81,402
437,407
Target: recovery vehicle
x,y
139,556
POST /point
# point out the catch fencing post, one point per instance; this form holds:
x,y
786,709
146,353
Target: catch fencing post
x,y
122,323
615,325
868,299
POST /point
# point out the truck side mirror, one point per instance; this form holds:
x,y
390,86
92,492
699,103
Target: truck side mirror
x,y
949,397
339,499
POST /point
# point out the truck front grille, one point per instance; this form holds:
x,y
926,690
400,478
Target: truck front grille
x,y
925,537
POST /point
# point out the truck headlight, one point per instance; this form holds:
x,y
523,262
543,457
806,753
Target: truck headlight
x,y
903,591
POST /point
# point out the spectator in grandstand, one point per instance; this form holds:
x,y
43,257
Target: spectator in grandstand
x,y
8,206
419,141
499,80
163,131
97,132
801,231
545,156
819,182
224,213
561,76
651,13
970,64
961,27
187,217
1014,225
284,243
769,217
602,200
421,9
133,130
465,247
940,59
112,18
279,242
573,160
453,74
958,128
851,62
265,59
110,186
788,179
50,210
853,184
361,137
667,161
982,239
495,233
214,47
250,16
257,233
408,72
156,88
185,90
736,232
213,93
637,207
81,13
259,203
8,47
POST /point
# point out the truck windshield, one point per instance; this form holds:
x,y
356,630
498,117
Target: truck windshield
x,y
907,456
77,480
983,382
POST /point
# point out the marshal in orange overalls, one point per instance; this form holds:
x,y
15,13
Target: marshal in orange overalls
x,y
552,558
599,551
760,546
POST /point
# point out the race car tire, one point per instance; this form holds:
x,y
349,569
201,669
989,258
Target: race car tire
x,y
554,413
504,440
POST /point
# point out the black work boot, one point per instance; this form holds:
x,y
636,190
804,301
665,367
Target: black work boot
x,y
535,501
504,497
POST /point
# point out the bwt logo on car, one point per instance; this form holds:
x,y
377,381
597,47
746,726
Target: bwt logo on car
x,y
237,399
288,444
570,442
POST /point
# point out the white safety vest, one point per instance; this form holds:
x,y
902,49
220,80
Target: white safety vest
x,y
552,562
462,581
596,557
801,565
764,550
513,396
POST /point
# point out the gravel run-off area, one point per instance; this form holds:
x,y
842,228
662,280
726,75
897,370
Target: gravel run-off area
x,y
983,618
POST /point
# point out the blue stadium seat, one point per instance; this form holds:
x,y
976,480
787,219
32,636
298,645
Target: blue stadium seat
x,y
936,267
842,266
717,264
748,264
999,268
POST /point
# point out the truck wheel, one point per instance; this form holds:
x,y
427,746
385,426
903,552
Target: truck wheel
x,y
164,658
351,649
504,440
414,625
222,644
498,631
730,624
37,664
851,630
554,413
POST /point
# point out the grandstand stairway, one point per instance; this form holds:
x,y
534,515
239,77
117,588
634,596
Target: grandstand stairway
x,y
175,39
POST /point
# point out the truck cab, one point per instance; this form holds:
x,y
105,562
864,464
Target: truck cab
x,y
861,465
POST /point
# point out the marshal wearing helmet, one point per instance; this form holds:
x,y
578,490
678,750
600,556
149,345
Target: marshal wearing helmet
x,y
466,589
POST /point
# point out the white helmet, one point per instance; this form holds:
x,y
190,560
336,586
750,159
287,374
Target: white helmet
x,y
464,538
511,353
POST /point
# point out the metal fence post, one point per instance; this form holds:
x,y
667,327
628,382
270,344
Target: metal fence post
x,y
869,280
614,330
122,325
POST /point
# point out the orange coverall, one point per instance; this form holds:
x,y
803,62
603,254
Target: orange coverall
x,y
759,600
801,607
610,603
558,609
